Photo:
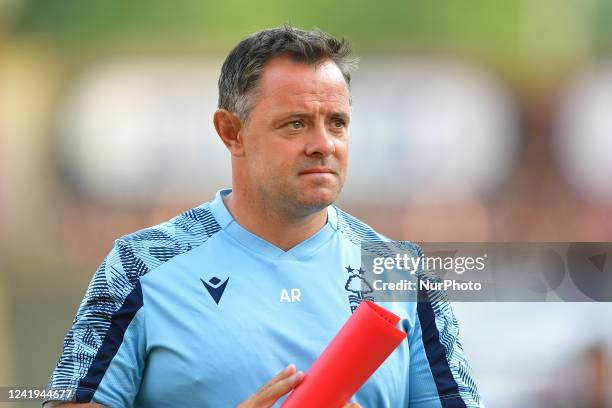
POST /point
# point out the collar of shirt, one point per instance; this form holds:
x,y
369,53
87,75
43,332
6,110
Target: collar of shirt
x,y
245,237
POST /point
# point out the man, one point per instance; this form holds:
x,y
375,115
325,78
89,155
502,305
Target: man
x,y
204,309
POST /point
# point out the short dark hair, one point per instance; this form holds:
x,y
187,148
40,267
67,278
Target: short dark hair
x,y
244,65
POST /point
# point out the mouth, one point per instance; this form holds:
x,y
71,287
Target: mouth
x,y
318,170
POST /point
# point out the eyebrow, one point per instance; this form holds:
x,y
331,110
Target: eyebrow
x,y
341,115
335,114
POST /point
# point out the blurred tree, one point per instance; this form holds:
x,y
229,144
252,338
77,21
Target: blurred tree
x,y
392,25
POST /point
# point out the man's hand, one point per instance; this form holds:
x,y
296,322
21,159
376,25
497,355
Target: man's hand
x,y
278,386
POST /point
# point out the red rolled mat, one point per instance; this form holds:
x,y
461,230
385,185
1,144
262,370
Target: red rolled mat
x,y
365,341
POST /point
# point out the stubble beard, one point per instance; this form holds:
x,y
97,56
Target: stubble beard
x,y
294,202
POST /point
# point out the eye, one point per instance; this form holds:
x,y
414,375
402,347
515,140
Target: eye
x,y
338,123
295,124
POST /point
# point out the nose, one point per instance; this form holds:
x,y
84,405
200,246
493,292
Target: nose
x,y
320,142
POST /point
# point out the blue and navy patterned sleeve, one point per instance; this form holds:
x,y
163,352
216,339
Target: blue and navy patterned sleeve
x,y
103,352
440,375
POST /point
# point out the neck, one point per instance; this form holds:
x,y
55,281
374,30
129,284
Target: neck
x,y
276,226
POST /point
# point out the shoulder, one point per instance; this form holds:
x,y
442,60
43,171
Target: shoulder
x,y
356,230
363,235
114,296
136,254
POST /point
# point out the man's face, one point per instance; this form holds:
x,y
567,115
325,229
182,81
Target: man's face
x,y
296,140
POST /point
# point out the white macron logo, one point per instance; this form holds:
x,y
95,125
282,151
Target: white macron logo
x,y
295,295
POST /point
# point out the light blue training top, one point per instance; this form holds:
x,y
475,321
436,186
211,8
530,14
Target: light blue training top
x,y
200,312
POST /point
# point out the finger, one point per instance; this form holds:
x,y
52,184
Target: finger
x,y
280,388
288,371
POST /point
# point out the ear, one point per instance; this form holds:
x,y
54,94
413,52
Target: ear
x,y
229,127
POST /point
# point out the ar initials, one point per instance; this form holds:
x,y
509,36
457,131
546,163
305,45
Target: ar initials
x,y
295,295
